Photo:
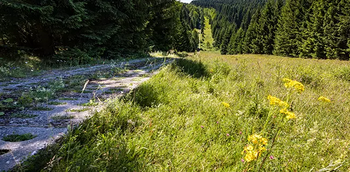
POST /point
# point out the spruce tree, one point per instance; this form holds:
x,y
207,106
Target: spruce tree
x,y
226,40
286,41
250,39
330,30
236,42
267,27
343,29
313,45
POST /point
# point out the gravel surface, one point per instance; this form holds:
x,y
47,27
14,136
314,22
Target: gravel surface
x,y
48,126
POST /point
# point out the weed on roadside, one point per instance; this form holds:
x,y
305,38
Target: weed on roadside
x,y
18,138
22,115
42,108
57,103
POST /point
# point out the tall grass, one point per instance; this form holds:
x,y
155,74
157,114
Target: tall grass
x,y
198,113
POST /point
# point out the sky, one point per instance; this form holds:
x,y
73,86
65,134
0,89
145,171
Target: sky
x,y
187,1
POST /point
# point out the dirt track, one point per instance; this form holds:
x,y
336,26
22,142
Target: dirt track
x,y
47,126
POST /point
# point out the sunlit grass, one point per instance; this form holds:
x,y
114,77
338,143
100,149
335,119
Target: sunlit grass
x,y
197,115
160,54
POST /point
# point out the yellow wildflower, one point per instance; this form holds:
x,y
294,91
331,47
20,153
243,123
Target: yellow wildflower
x,y
248,148
263,141
252,152
290,115
286,80
226,104
262,149
257,139
276,101
250,156
288,83
283,111
254,138
324,99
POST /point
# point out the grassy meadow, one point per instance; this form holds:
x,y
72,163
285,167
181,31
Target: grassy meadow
x,y
211,112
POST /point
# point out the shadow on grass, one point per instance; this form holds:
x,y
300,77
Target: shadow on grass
x,y
195,69
146,95
121,158
152,94
82,149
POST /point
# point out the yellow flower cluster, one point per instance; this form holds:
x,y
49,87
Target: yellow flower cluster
x,y
226,104
257,139
324,99
290,115
253,152
276,101
288,83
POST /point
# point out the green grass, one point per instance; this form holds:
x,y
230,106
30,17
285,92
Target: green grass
x,y
137,79
57,103
78,110
116,89
24,65
23,115
67,98
18,138
85,91
90,103
20,68
177,120
61,117
42,108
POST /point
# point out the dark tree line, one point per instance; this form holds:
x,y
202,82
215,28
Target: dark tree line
x,y
231,15
97,28
296,28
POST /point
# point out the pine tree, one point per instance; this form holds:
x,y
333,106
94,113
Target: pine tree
x,y
236,42
95,27
226,40
267,27
163,24
250,39
195,39
313,45
286,41
343,29
330,30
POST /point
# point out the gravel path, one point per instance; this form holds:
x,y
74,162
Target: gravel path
x,y
16,83
48,126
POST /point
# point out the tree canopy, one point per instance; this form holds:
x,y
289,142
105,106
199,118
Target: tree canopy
x,y
296,28
91,28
